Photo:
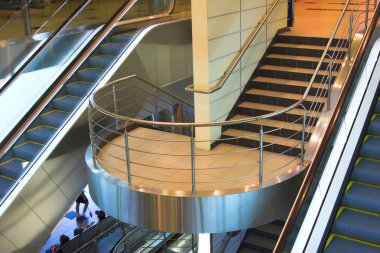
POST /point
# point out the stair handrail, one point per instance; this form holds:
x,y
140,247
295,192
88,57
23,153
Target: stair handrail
x,y
313,166
151,85
237,57
30,60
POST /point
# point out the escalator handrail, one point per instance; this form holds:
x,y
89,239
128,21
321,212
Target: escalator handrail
x,y
313,166
28,62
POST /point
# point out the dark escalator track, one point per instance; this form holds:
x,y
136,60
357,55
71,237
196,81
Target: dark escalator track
x,y
356,225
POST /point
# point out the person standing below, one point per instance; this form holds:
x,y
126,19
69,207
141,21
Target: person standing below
x,y
81,199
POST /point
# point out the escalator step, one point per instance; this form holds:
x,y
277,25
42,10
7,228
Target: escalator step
x,y
13,167
66,103
41,133
358,225
374,126
101,61
363,197
371,148
377,109
27,150
54,118
78,88
112,48
367,171
339,244
90,75
5,184
121,38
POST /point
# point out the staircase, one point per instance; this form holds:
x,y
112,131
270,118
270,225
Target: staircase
x,y
356,225
51,120
279,81
261,239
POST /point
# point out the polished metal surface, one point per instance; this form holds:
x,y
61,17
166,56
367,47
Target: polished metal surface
x,y
200,214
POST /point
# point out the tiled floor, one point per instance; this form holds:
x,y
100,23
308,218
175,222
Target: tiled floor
x,y
69,223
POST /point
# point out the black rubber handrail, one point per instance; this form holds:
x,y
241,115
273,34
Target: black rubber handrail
x,y
27,63
313,166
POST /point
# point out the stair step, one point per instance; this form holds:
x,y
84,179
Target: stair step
x,y
273,127
27,150
358,225
13,168
5,185
121,38
370,148
268,230
260,243
377,108
300,61
54,118
294,39
112,49
89,75
339,244
292,73
256,109
367,171
307,50
101,61
363,197
272,143
41,133
286,85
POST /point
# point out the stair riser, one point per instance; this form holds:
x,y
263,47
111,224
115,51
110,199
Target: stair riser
x,y
99,62
294,76
89,75
40,138
280,101
29,155
304,52
309,40
78,90
298,63
111,49
282,117
65,106
275,148
286,133
121,39
287,88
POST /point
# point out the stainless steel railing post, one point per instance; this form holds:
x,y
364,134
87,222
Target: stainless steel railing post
x,y
115,105
192,143
155,104
266,25
350,35
92,139
127,158
329,83
261,156
366,14
303,137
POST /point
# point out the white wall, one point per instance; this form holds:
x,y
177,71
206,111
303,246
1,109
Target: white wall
x,y
220,27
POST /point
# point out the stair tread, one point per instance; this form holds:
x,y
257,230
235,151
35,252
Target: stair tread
x,y
304,46
280,94
284,81
367,171
275,123
5,184
296,70
272,108
301,58
260,241
271,228
339,244
370,147
267,137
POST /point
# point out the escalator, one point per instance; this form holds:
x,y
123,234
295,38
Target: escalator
x,y
41,166
356,224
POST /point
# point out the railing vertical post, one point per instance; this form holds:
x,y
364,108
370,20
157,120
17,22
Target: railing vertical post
x,y
350,36
192,243
261,156
329,85
366,14
266,25
92,139
303,137
127,158
165,242
115,105
155,104
192,143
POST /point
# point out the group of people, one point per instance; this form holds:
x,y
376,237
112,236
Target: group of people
x,y
82,199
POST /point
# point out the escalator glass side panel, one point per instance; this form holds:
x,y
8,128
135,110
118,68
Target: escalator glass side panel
x,y
40,132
